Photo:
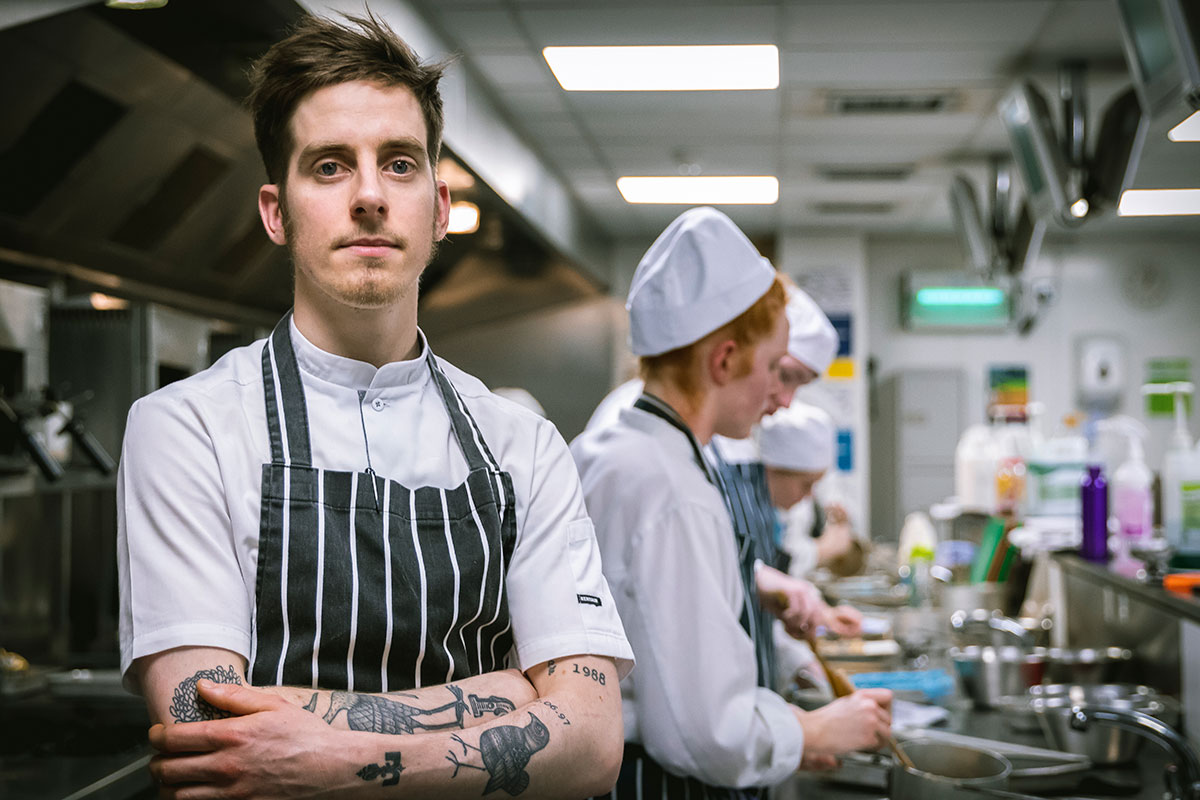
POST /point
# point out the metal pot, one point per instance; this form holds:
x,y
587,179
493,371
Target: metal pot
x,y
1103,744
942,771
989,673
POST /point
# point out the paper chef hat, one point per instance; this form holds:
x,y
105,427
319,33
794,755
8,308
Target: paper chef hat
x,y
700,273
812,339
800,438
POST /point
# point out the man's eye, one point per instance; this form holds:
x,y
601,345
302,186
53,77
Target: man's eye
x,y
327,168
400,167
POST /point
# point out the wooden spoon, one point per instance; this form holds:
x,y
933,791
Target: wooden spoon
x,y
842,686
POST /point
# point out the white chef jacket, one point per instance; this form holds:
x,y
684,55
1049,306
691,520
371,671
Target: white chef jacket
x,y
798,541
669,553
189,492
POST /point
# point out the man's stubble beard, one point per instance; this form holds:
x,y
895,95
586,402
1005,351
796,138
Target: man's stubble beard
x,y
367,294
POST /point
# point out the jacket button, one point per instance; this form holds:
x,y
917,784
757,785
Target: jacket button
x,y
378,404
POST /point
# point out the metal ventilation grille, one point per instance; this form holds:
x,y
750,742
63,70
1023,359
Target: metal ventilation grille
x,y
845,103
867,173
839,208
150,223
60,135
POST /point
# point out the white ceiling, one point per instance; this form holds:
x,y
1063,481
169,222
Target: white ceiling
x,y
974,49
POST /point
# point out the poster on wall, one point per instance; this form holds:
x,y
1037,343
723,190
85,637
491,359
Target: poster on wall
x,y
1008,392
1160,371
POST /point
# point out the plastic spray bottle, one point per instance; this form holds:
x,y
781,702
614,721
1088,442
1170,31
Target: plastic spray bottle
x,y
1132,483
1181,479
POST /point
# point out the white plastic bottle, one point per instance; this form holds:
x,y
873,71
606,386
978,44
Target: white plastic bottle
x,y
1181,480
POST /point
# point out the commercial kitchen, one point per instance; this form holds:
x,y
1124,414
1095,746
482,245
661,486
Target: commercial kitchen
x,y
989,206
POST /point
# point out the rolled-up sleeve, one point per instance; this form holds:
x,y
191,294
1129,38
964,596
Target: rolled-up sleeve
x,y
699,708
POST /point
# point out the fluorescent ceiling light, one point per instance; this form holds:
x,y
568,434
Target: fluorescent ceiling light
x,y
1159,202
464,217
666,68
977,296
701,190
1186,131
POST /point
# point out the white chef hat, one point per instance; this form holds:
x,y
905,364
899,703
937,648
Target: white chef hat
x,y
700,273
812,339
800,438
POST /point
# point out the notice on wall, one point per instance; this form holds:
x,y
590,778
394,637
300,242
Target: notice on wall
x,y
1008,385
1163,371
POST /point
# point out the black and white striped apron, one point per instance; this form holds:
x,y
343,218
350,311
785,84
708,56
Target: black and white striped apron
x,y
364,584
753,517
641,777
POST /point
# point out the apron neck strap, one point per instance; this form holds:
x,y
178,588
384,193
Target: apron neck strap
x,y
287,413
659,408
470,438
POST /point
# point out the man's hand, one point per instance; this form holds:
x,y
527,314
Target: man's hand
x,y
268,748
795,602
859,721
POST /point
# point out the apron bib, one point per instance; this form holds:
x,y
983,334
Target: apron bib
x,y
364,584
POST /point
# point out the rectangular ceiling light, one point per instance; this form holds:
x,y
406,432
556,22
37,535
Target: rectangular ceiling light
x,y
701,190
666,68
1159,202
1186,131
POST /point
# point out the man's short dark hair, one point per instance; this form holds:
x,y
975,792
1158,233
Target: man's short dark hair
x,y
318,53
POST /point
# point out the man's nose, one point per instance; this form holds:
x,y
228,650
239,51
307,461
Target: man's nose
x,y
368,202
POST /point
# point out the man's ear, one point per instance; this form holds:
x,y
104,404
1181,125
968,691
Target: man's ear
x,y
442,213
721,361
270,209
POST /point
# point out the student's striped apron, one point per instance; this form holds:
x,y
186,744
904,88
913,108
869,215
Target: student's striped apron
x,y
641,777
367,585
753,518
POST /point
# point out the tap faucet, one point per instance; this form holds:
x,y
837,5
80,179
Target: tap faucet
x,y
1183,777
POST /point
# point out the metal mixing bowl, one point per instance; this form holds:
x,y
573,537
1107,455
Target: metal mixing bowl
x,y
989,673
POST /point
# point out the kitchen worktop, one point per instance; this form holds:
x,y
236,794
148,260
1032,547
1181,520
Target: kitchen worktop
x,y
54,747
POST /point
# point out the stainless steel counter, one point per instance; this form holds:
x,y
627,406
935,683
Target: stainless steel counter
x,y
1139,781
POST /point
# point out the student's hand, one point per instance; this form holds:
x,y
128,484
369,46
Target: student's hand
x,y
795,602
269,748
859,721
843,620
818,762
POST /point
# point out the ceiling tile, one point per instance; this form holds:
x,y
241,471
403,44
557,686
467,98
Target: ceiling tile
x,y
482,29
652,23
927,25
512,69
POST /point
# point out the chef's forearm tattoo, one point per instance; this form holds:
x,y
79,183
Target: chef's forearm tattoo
x,y
554,710
504,751
187,706
597,675
366,712
389,770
